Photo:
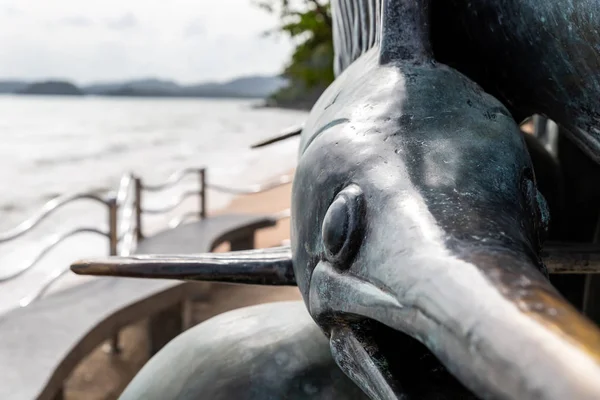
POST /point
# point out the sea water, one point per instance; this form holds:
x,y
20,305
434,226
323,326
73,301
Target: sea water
x,y
57,145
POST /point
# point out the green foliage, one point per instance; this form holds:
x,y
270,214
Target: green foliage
x,y
309,23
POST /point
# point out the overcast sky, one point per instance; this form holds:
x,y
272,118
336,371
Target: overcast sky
x,y
101,40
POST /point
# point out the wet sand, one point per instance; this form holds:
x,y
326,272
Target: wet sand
x,y
104,376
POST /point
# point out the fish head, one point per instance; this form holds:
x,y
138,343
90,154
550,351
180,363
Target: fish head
x,y
416,213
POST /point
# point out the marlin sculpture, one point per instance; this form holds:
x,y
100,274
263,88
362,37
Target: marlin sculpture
x,y
416,235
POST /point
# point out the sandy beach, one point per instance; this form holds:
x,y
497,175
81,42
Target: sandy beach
x,y
104,376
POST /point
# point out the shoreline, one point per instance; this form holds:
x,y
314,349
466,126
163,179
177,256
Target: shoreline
x,y
152,139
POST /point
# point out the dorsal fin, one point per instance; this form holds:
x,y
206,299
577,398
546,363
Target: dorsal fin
x,y
356,27
286,134
405,31
400,26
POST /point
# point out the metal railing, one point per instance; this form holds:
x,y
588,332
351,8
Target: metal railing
x,y
174,179
125,212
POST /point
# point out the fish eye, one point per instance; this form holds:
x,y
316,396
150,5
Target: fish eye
x,y
342,226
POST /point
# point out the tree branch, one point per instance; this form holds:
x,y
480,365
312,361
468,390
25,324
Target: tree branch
x,y
322,11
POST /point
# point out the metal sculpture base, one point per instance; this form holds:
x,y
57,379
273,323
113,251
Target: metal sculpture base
x,y
276,351
272,351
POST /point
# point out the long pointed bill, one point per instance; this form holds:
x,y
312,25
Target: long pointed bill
x,y
258,267
490,317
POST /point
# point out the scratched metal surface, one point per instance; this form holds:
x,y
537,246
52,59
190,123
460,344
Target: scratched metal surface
x,y
433,173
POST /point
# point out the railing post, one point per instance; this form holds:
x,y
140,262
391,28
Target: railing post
x,y
113,232
113,226
202,193
138,207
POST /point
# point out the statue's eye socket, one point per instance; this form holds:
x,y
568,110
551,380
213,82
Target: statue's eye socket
x,y
342,226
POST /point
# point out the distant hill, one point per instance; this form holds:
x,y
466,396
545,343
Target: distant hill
x,y
245,87
264,84
52,88
12,86
136,85
252,86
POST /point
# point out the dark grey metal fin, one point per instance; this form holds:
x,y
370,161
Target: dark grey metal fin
x,y
401,27
289,133
356,26
272,266
405,31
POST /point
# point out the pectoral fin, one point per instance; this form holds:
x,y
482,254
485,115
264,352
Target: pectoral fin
x,y
287,134
271,266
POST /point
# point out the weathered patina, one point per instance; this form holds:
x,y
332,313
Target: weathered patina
x,y
416,218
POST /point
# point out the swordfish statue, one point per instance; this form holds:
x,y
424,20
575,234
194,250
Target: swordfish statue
x,y
417,229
